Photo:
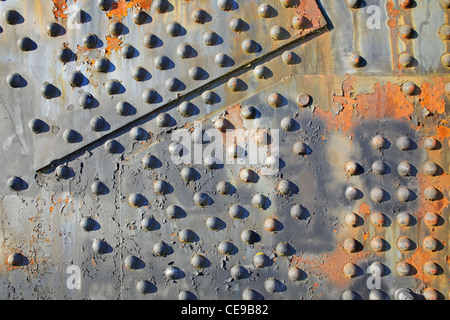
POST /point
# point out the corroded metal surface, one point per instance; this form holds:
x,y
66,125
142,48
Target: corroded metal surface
x,y
347,101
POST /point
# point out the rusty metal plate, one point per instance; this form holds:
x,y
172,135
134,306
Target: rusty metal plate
x,y
315,167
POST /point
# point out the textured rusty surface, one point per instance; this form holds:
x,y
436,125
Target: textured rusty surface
x,y
362,126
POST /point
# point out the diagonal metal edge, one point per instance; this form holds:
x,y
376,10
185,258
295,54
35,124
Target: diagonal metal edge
x,y
235,72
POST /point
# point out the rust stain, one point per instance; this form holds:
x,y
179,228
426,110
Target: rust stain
x,y
431,96
112,43
442,133
120,8
59,9
417,259
391,10
364,208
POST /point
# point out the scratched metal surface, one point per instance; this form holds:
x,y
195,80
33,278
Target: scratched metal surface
x,y
352,220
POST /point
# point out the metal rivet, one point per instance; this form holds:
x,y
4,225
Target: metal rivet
x,y
214,223
261,72
234,84
431,268
25,44
104,5
378,244
405,60
136,200
148,224
404,219
15,183
149,95
99,246
250,294
222,60
161,6
277,32
236,211
272,162
352,168
404,168
64,55
160,187
185,50
139,73
378,142
405,244
377,269
186,109
150,40
196,73
377,294
127,51
289,3
284,249
15,259
350,245
199,15
144,287
186,295
11,16
70,136
249,236
173,273
48,90
209,97
404,269
406,31
378,219
163,120
238,272
116,28
188,174
272,225
102,65
259,200
173,84
249,46
227,248
445,4
265,10
430,244
112,86
98,188
285,187
161,249
350,270
355,60
63,171
201,199
225,5
431,294
431,193
187,236
123,108
174,212
430,168
131,262
140,17
287,124
351,193
273,285
90,40
36,126
353,3
303,100
289,57
76,79
405,4
161,62
351,219
261,260
87,224
404,143
173,29
299,22
210,38
53,29
379,167
112,146
430,143
295,274
431,219
350,295
403,194
275,100
247,175
404,294
149,161
14,80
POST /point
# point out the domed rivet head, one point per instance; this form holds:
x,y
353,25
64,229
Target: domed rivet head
x,y
161,249
430,168
104,5
405,244
25,44
149,161
140,17
408,88
15,259
275,100
160,187
222,124
11,16
353,3
199,15
378,219
406,31
161,62
350,245
287,124
123,108
225,5
404,294
285,187
378,142
352,168
247,175
222,60
174,212
404,143
102,65
173,84
299,22
259,200
234,84
355,60
188,174
172,273
98,188
90,40
127,51
272,225
249,46
210,38
249,236
405,4
161,6
238,272
131,262
272,162
214,223
431,268
116,28
351,193
87,224
351,219
273,285
173,29
184,50
53,29
186,109
277,32
149,96
224,187
136,200
144,287
377,269
377,294
14,80
404,168
350,270
63,171
378,244
15,183
379,167
261,72
99,246
303,100
48,90
445,4
139,73
404,219
236,211
404,269
405,60
403,194
112,146
295,274
163,120
284,249
431,193
112,86
148,224
289,57
187,236
196,73
186,295
227,248
430,244
350,295
209,97
64,55
265,10
431,294
289,3
201,199
431,219
36,126
250,294
150,40
76,79
430,143
261,260
70,136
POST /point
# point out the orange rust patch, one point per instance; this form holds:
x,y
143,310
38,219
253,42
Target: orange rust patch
x,y
112,43
442,133
59,8
431,96
390,8
364,208
417,260
120,8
